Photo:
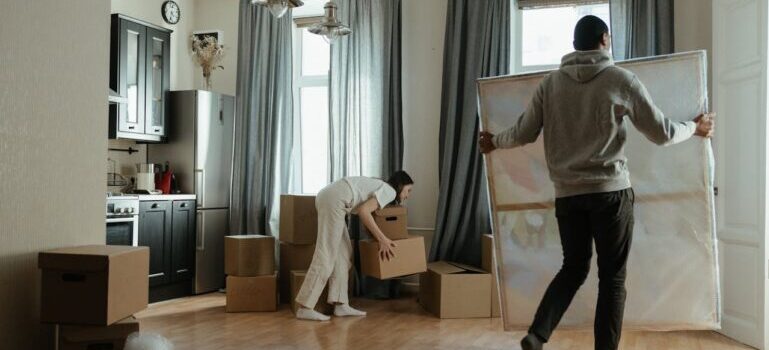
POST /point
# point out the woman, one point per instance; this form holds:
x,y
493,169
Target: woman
x,y
333,250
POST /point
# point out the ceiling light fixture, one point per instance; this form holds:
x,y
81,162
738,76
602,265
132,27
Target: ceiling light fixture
x,y
330,27
278,8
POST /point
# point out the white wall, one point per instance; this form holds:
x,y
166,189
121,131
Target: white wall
x,y
53,124
424,23
222,15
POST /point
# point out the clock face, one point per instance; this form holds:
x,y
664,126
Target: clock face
x,y
171,13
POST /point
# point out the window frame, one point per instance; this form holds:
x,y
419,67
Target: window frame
x,y
517,59
301,81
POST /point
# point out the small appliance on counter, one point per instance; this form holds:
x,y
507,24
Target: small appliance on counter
x,y
145,177
166,181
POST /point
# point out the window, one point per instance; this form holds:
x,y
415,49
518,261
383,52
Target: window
x,y
311,80
546,34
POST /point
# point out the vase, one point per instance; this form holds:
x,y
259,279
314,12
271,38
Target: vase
x,y
207,78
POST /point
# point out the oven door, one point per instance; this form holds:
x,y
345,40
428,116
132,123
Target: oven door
x,y
123,231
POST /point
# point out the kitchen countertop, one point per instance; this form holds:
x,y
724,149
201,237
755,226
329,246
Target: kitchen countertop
x,y
166,197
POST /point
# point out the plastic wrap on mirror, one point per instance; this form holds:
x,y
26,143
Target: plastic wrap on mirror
x,y
672,281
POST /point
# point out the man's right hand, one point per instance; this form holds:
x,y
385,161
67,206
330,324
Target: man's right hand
x,y
705,125
485,142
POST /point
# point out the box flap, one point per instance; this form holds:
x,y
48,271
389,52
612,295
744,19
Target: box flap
x,y
395,210
83,258
468,268
444,268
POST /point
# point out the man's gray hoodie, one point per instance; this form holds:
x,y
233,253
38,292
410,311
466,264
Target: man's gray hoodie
x,y
581,110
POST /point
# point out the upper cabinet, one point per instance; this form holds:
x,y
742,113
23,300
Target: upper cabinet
x,y
139,71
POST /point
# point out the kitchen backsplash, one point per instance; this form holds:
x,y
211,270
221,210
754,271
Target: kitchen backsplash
x,y
124,164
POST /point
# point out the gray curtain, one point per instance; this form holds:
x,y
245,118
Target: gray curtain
x,y
365,92
366,129
262,169
477,44
641,28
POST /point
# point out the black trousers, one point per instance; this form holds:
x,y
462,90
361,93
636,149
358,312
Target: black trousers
x,y
607,220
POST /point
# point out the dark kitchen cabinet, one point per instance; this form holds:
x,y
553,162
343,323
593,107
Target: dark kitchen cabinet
x,y
183,241
139,71
168,228
155,232
158,80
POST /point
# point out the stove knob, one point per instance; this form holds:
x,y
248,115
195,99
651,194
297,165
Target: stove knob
x,y
130,210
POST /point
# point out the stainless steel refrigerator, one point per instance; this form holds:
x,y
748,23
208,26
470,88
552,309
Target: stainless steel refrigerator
x,y
200,151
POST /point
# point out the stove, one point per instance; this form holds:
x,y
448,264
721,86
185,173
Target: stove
x,y
122,217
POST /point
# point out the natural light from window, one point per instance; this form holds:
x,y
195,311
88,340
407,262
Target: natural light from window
x,y
311,107
547,33
314,138
315,60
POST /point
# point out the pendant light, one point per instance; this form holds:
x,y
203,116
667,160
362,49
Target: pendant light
x,y
330,27
278,8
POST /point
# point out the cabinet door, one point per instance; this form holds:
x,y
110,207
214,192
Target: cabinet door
x,y
155,233
183,241
158,81
132,76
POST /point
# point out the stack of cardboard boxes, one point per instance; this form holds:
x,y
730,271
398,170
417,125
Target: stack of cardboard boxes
x,y
298,232
409,250
249,262
453,290
92,292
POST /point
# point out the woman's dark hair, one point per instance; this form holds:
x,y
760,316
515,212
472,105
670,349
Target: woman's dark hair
x,y
589,32
398,180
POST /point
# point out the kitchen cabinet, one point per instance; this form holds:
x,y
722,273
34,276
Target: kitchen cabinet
x,y
183,240
168,228
155,225
139,71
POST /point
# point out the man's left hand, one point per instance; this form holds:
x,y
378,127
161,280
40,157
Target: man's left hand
x,y
485,143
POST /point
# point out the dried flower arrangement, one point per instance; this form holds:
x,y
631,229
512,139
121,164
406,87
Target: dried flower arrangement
x,y
207,53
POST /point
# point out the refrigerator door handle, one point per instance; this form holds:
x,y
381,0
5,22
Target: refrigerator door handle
x,y
200,186
200,236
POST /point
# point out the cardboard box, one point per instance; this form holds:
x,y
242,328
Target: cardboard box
x,y
249,255
292,257
392,221
93,285
409,258
298,219
258,293
452,290
97,337
322,306
489,264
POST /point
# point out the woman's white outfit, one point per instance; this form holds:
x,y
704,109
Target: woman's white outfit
x,y
331,261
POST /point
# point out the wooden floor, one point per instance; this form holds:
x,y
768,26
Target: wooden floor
x,y
201,323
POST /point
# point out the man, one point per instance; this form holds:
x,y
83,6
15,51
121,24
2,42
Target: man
x,y
581,109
